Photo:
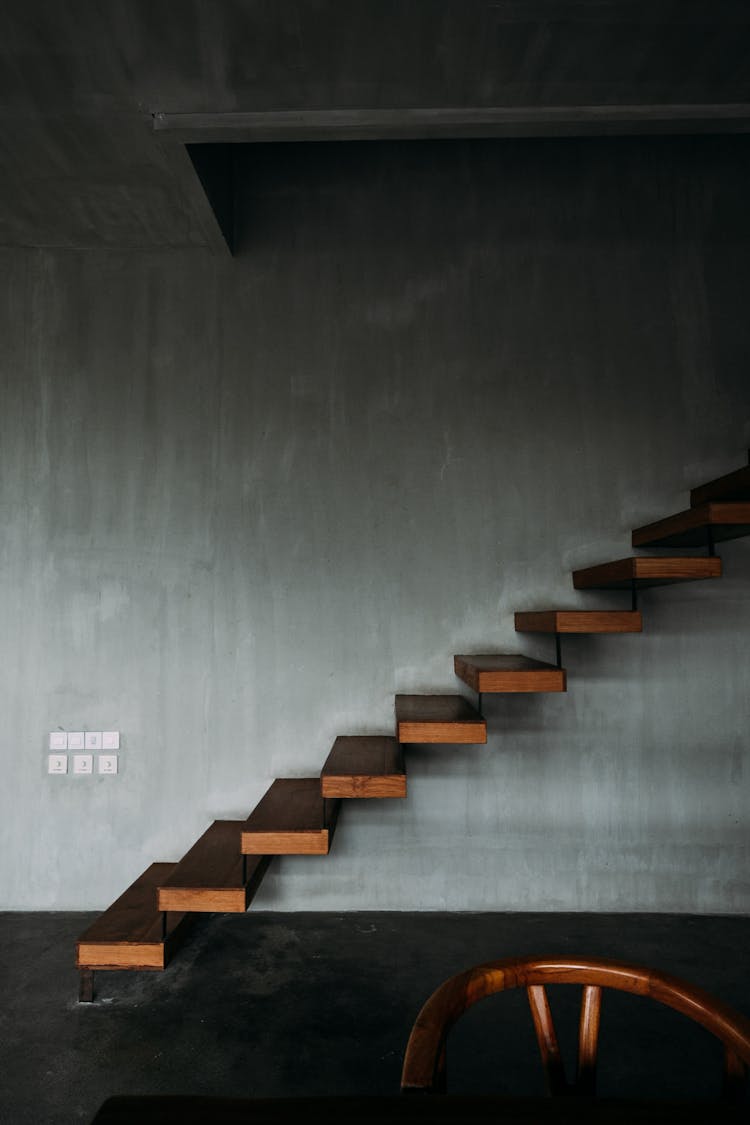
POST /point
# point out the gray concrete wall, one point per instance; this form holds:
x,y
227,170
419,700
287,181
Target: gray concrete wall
x,y
246,502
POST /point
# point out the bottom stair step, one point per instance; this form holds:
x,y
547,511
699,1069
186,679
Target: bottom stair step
x,y
130,934
438,719
364,766
214,876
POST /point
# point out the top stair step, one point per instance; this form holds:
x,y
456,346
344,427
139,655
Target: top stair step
x,y
696,527
508,672
643,571
212,876
438,719
292,818
731,487
364,766
579,621
133,933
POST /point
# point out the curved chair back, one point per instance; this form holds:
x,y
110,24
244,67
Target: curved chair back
x,y
424,1067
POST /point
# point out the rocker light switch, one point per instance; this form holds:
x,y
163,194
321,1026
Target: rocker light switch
x,y
75,740
93,740
58,740
83,763
110,740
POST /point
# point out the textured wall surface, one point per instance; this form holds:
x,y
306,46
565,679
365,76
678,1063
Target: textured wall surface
x,y
246,502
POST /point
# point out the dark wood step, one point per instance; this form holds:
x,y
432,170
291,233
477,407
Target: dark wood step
x,y
733,486
292,818
695,527
500,672
364,766
214,876
133,933
438,718
645,571
579,621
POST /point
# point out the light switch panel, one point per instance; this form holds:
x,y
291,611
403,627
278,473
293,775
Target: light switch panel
x,y
108,763
110,740
57,763
75,740
58,740
83,763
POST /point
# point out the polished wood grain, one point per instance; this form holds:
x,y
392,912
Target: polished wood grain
x,y
588,1038
508,672
424,1065
130,934
546,1037
292,818
211,876
364,766
646,571
731,487
438,719
690,528
579,621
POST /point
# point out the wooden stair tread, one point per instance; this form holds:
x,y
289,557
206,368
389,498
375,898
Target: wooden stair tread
x,y
131,933
511,672
690,528
212,875
292,818
732,486
438,719
579,621
645,571
364,766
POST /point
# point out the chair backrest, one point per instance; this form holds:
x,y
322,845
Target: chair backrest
x,y
424,1066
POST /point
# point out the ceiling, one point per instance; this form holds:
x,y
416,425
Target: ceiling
x,y
98,96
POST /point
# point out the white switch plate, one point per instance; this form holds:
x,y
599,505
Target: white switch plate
x,y
93,740
83,763
75,740
57,763
110,740
108,763
58,740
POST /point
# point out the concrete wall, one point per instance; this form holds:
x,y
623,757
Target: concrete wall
x,y
246,502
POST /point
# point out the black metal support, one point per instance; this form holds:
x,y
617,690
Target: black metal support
x,y
633,594
558,650
244,867
710,541
163,925
86,986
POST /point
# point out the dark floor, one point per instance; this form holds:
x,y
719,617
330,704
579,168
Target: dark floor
x,y
269,1005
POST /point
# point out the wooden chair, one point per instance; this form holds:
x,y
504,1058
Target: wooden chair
x,y
424,1066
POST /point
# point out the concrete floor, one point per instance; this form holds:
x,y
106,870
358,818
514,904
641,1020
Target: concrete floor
x,y
269,1005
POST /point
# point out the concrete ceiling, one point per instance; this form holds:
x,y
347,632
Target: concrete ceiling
x,y
98,96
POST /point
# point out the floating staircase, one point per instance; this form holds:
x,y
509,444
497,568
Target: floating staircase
x,y
224,868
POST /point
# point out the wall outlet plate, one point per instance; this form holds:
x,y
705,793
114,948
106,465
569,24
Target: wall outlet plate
x,y
58,740
93,740
83,763
108,763
110,740
75,740
57,763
